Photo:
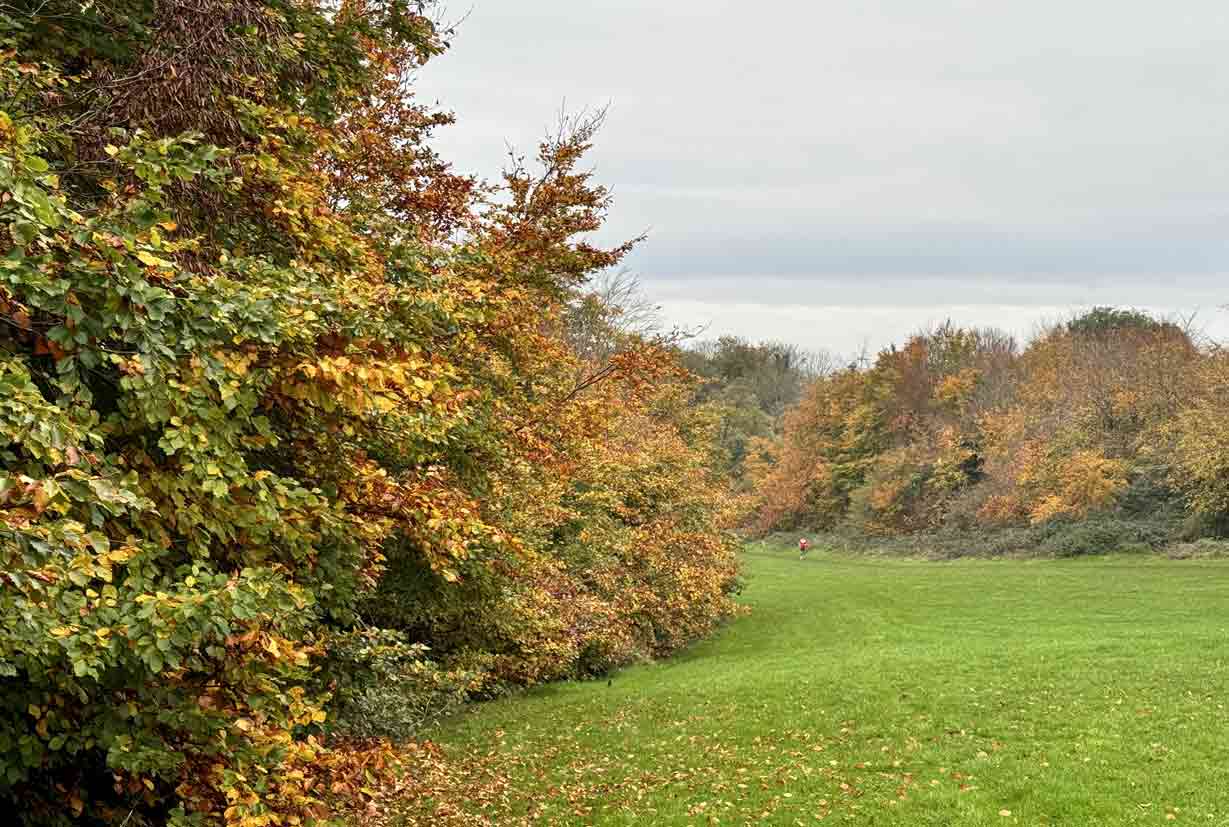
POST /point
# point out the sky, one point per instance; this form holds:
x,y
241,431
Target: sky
x,y
839,174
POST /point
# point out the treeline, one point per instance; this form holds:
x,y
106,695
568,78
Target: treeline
x,y
747,387
304,436
1111,416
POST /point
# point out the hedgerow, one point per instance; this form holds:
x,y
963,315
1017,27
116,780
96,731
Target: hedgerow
x,y
289,424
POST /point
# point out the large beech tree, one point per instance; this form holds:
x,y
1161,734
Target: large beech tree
x,y
288,415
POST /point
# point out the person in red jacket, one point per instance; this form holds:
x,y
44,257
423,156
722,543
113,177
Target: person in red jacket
x,y
803,547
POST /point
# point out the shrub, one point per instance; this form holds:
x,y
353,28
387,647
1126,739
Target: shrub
x,y
1102,536
384,687
1206,547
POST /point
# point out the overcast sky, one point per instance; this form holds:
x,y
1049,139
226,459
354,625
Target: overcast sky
x,y
838,173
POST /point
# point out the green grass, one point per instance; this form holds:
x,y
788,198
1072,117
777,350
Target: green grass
x,y
1083,692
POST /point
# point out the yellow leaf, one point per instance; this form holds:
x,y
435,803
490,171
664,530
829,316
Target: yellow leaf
x,y
122,554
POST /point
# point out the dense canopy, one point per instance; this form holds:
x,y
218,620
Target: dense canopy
x,y
295,446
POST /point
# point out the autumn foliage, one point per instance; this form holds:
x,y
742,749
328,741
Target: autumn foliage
x,y
295,447
1109,413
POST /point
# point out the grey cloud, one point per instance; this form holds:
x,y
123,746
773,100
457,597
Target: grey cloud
x,y
1041,142
996,256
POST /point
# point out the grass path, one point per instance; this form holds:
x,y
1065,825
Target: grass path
x,y
884,692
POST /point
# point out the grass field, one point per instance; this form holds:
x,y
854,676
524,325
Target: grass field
x,y
1083,692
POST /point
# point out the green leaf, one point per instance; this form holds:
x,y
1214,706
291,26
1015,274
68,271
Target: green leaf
x,y
98,542
24,231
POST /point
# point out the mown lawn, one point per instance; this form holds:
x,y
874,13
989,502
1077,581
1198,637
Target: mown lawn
x,y
1085,692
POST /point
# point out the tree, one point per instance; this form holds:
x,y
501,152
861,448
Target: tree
x,y
267,363
958,425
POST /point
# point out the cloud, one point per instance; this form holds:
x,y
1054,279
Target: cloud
x,y
846,315
1035,143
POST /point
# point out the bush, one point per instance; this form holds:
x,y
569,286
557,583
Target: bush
x,y
1103,536
1206,547
1057,538
1202,524
385,687
1149,496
